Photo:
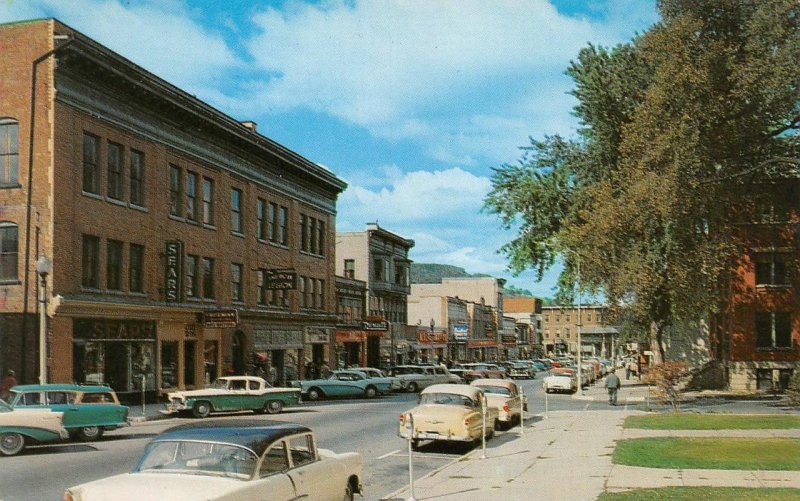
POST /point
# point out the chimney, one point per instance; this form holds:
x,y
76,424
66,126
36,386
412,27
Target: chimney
x,y
250,125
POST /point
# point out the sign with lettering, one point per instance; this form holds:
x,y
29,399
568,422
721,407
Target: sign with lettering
x,y
507,339
350,336
277,339
173,272
460,332
428,337
102,329
317,335
375,325
220,319
280,280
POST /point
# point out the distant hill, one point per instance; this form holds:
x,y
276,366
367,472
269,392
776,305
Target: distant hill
x,y
430,273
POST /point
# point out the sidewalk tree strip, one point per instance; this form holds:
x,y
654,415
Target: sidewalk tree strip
x,y
719,453
694,421
704,493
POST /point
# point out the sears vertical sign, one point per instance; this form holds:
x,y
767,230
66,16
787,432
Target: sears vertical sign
x,y
173,272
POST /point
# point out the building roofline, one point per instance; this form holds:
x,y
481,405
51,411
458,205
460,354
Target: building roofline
x,y
135,75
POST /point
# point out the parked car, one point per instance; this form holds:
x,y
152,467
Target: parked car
x,y
561,380
18,426
232,459
506,397
380,377
414,378
232,393
520,370
88,410
448,413
343,383
482,370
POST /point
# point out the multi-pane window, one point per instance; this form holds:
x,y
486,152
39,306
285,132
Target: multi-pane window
x,y
192,276
773,329
136,180
191,196
377,269
9,152
114,171
175,191
90,262
321,238
208,201
350,268
236,282
773,268
301,286
320,289
91,164
312,233
272,227
283,230
9,251
114,265
304,233
261,276
208,278
236,210
136,268
261,228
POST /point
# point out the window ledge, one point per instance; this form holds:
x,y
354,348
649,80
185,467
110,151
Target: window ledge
x,y
116,201
140,208
775,348
279,246
89,194
11,281
10,186
177,218
773,286
237,234
209,226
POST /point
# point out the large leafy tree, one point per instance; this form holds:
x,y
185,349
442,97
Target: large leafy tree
x,y
674,125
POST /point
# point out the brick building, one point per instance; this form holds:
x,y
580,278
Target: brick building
x,y
184,244
560,330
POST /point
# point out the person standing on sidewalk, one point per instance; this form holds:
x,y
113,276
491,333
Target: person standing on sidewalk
x,y
612,384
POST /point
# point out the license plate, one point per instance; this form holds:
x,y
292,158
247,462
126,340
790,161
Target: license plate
x,y
429,436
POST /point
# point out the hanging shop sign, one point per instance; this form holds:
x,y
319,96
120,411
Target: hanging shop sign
x,y
220,319
375,325
285,279
509,339
460,333
173,266
428,337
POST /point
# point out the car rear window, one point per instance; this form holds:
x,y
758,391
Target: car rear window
x,y
97,398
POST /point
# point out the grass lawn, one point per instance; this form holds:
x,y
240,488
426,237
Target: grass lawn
x,y
710,453
704,493
694,421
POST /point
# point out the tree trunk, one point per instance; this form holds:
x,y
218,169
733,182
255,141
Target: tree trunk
x,y
656,335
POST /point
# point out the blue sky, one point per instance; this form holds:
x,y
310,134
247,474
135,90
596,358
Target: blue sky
x,y
410,102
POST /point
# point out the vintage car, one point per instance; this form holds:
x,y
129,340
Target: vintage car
x,y
482,370
20,426
232,459
520,370
448,413
232,393
379,376
88,409
506,397
343,383
561,380
417,377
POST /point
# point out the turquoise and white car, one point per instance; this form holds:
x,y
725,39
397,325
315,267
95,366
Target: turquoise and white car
x,y
88,409
20,426
233,393
343,383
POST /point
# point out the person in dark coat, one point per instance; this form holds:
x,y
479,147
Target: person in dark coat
x,y
612,385
8,382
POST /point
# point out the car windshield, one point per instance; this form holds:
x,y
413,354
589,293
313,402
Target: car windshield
x,y
198,458
495,390
445,399
4,407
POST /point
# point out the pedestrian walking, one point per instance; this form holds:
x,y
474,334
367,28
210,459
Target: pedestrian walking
x,y
612,384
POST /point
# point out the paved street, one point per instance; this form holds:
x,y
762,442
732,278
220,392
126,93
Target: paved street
x,y
369,427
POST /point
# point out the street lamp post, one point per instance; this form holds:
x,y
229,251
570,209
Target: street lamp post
x,y
580,361
43,268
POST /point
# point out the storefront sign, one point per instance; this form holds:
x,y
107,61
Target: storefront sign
x,y
173,275
220,319
376,325
460,333
98,329
317,335
277,339
428,337
350,336
280,280
509,339
482,343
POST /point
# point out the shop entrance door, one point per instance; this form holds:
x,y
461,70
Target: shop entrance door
x,y
373,351
118,367
277,362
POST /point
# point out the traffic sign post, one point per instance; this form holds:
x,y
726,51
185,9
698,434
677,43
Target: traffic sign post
x,y
483,431
410,435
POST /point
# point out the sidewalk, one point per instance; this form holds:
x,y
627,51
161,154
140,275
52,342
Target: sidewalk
x,y
566,455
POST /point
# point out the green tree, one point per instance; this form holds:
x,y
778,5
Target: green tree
x,y
675,127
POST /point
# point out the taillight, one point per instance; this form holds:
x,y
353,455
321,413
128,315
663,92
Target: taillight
x,y
402,419
466,421
506,408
